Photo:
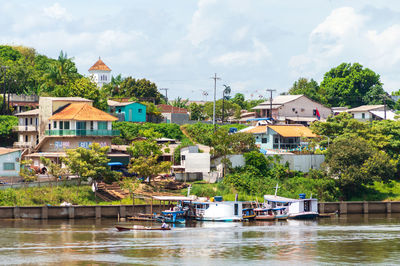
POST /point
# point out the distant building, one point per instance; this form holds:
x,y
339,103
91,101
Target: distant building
x,y
100,73
281,137
173,114
22,102
9,162
193,164
28,129
128,111
293,109
370,112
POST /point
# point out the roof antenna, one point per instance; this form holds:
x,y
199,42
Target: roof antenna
x,y
276,189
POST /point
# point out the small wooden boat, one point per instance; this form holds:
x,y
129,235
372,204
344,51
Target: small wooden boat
x,y
138,228
264,214
281,213
328,215
172,217
248,214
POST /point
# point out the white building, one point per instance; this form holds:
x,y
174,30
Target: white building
x,y
293,109
100,73
371,112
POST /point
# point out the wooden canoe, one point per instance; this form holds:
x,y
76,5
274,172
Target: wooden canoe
x,y
123,228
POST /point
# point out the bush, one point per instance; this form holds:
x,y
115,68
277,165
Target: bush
x,y
202,133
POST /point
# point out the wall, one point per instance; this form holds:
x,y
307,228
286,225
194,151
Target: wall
x,y
359,207
12,157
304,107
176,118
197,163
136,116
302,162
59,143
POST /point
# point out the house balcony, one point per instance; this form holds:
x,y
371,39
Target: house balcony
x,y
289,146
23,145
82,132
26,128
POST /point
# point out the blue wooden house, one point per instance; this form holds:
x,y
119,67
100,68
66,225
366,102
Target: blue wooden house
x,y
127,111
9,162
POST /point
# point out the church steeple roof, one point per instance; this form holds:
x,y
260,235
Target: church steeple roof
x,y
99,65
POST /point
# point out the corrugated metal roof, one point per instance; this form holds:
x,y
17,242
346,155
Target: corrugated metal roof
x,y
293,131
7,150
364,108
30,112
99,65
82,112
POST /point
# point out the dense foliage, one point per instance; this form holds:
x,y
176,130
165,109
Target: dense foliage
x,y
345,85
202,133
130,131
7,136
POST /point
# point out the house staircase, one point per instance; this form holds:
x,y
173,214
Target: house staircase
x,y
110,192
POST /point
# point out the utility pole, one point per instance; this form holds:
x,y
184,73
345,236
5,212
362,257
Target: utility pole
x,y
270,102
384,105
166,93
3,107
215,78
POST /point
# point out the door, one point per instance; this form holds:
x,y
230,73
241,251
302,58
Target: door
x,y
130,115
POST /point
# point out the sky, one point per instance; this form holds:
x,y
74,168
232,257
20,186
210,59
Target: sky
x,y
251,45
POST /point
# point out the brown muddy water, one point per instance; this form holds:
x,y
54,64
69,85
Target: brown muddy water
x,y
366,239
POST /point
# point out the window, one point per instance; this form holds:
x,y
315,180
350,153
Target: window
x,y
140,110
91,125
119,110
26,138
102,125
264,140
8,166
66,124
31,120
314,112
55,124
61,125
183,157
363,115
236,209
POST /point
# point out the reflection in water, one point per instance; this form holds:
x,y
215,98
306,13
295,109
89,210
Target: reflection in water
x,y
346,239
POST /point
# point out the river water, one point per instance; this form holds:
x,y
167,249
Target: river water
x,y
367,239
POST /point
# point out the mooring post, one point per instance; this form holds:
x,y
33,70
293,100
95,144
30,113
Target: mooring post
x,y
45,212
98,212
388,207
365,207
71,212
343,207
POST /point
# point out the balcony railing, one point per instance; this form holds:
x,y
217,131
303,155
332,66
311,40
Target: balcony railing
x,y
82,132
23,144
26,128
288,146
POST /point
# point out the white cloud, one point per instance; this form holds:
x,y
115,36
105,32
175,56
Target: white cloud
x,y
170,58
56,11
256,55
386,46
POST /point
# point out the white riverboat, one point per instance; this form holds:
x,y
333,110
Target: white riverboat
x,y
301,208
221,211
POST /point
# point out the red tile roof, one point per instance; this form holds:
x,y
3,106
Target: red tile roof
x,y
164,108
99,65
82,112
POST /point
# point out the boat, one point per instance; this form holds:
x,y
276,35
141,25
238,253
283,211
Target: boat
x,y
172,217
140,228
328,215
300,208
222,211
281,213
248,214
264,214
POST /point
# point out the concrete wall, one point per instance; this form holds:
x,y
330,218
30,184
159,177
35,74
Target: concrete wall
x,y
77,212
197,163
176,118
359,207
303,162
59,144
12,157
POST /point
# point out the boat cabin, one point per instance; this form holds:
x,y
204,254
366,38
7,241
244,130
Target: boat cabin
x,y
218,211
297,208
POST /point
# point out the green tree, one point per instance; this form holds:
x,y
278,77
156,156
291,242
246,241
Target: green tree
x,y
196,111
141,89
349,84
26,172
239,99
90,163
7,135
55,170
355,163
230,109
309,88
145,156
179,102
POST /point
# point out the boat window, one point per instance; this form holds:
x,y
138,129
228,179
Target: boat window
x,y
236,209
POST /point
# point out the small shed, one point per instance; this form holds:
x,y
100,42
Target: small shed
x,y
128,111
9,162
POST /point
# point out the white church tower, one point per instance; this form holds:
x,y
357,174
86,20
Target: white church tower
x,y
100,73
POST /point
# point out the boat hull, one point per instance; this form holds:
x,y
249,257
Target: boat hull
x,y
123,228
304,216
265,217
282,217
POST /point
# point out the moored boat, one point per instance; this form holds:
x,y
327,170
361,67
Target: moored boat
x,y
264,214
172,217
221,211
140,228
281,213
248,214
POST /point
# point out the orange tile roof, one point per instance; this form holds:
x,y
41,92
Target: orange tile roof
x,y
82,112
257,130
293,131
99,65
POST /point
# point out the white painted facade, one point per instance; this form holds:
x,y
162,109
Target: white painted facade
x,y
100,77
302,162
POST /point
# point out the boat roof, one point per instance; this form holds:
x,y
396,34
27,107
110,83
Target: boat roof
x,y
278,209
171,212
173,198
274,198
262,209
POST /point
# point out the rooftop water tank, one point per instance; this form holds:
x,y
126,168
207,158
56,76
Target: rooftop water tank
x,y
302,195
218,198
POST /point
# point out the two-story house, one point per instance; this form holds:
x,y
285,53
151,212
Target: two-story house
x,y
28,129
127,111
368,113
292,109
281,137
